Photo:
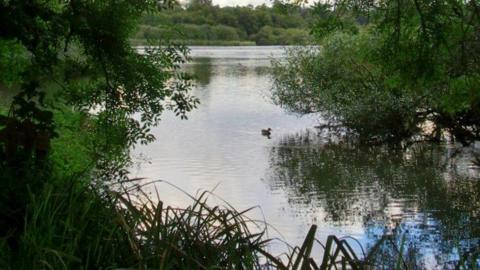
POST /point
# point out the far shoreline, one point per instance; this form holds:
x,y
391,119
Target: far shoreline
x,y
212,43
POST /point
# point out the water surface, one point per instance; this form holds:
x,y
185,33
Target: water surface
x,y
301,176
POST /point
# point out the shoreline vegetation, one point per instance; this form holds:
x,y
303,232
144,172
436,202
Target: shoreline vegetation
x,y
66,199
66,220
202,23
144,42
384,75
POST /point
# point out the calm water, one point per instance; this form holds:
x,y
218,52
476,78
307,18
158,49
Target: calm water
x,y
300,176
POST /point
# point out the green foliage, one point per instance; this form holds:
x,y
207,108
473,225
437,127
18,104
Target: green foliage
x,y
72,153
64,42
194,4
189,32
281,24
333,81
83,96
13,61
384,69
280,36
70,226
53,216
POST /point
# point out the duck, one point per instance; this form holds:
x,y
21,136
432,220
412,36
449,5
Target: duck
x,y
267,132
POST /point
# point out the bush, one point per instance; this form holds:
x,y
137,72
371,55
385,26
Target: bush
x,y
403,66
265,25
340,81
279,36
189,32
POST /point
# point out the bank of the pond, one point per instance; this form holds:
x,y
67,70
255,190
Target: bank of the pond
x,y
62,219
144,42
55,214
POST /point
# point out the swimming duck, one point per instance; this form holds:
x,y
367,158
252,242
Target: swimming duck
x,y
267,132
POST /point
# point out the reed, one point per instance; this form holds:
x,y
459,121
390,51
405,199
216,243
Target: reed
x,y
72,226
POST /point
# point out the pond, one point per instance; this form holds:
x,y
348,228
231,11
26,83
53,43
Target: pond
x,y
428,195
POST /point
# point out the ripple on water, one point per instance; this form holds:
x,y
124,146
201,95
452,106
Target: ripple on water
x,y
300,177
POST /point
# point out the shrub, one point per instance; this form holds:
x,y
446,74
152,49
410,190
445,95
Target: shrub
x,y
341,81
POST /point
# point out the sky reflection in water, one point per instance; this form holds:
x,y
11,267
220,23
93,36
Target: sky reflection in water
x,y
299,176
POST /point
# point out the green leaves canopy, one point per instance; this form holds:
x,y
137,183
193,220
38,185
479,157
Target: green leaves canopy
x,y
83,49
399,64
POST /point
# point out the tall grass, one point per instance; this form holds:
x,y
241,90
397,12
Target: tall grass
x,y
69,226
72,226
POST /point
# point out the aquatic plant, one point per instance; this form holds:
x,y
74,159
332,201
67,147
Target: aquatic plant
x,y
69,226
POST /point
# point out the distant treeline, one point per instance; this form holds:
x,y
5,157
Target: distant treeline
x,y
201,23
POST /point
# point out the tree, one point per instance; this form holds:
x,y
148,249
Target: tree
x,y
385,68
82,48
76,56
196,4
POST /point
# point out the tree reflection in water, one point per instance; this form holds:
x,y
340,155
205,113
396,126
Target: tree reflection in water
x,y
201,68
417,193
